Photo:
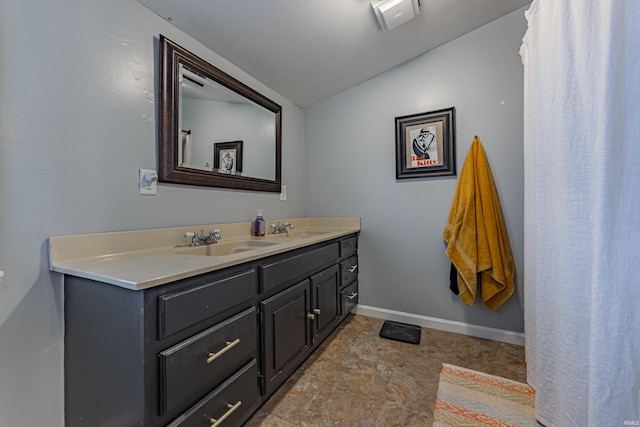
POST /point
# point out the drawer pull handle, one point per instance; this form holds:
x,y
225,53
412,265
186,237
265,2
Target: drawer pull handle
x,y
352,268
216,423
353,295
229,345
316,311
311,316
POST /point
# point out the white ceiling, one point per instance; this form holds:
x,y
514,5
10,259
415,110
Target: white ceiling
x,y
310,50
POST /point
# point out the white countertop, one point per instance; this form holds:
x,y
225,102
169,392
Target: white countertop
x,y
145,258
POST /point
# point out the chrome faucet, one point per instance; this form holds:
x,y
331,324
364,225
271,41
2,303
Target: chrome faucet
x,y
281,228
203,239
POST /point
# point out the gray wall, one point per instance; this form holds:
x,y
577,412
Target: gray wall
x,y
77,121
351,169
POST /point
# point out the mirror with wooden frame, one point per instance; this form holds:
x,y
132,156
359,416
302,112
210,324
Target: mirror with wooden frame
x,y
213,129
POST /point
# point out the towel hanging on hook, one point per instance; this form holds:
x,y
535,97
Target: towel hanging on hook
x,y
185,147
477,241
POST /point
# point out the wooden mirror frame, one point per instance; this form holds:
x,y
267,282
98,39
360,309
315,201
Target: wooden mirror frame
x,y
171,57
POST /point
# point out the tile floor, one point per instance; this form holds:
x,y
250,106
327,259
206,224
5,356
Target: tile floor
x,y
357,379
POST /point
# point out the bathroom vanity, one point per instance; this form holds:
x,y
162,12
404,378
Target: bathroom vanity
x,y
167,334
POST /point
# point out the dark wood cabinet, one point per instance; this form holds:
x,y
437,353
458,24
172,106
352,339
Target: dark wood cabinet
x,y
140,357
210,348
296,319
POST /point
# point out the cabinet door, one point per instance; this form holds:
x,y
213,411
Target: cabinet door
x,y
286,339
325,302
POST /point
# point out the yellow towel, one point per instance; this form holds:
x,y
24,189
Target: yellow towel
x,y
477,241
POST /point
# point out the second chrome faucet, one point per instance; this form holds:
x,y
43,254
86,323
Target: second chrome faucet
x,y
281,228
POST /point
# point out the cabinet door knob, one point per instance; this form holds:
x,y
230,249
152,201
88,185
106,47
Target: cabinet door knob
x,y
316,311
311,316
228,346
352,268
353,295
216,423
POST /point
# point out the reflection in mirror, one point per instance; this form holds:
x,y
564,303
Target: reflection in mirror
x,y
214,130
211,116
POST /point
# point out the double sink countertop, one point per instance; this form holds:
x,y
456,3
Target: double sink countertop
x,y
145,258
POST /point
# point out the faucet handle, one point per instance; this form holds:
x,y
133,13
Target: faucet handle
x,y
193,236
215,234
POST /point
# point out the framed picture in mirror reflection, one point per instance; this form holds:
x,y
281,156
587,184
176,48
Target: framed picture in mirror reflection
x,y
227,157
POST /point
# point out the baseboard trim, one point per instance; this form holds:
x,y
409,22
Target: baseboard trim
x,y
442,324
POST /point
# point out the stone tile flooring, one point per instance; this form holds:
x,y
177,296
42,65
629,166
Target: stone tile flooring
x,y
357,379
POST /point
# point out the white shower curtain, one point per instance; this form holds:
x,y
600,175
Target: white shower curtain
x,y
582,210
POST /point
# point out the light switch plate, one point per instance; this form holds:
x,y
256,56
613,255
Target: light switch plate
x,y
146,188
283,192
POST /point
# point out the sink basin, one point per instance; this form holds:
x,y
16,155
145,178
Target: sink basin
x,y
221,249
300,233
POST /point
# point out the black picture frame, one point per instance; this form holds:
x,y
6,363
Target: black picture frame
x,y
426,144
223,151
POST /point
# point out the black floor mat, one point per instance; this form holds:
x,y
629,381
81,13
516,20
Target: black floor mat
x,y
401,332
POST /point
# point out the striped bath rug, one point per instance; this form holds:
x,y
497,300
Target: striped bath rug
x,y
471,398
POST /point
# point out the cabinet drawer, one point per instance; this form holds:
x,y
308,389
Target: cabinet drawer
x,y
349,298
182,309
235,401
295,267
205,360
348,246
349,270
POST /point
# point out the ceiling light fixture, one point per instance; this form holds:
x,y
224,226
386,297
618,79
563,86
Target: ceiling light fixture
x,y
393,13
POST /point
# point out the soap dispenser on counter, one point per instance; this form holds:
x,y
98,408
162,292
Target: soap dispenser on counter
x,y
259,225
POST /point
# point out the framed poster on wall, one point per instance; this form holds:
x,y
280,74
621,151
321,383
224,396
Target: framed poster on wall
x,y
425,144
